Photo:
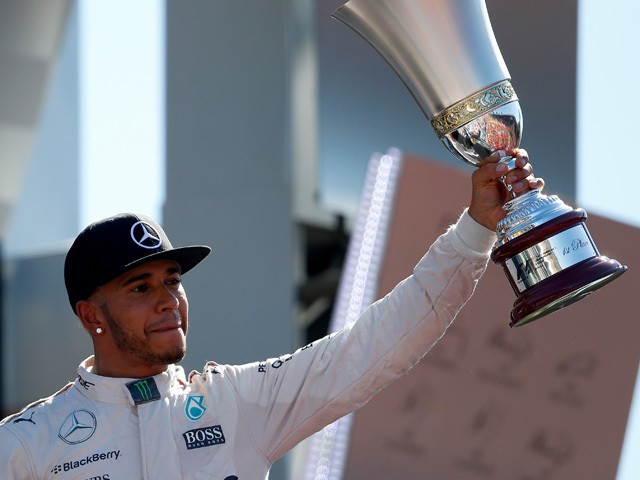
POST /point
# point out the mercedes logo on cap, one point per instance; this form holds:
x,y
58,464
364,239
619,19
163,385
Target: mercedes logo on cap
x,y
145,236
78,427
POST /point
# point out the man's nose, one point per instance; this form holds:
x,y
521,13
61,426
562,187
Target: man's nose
x,y
168,299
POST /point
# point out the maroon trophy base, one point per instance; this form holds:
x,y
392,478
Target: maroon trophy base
x,y
562,288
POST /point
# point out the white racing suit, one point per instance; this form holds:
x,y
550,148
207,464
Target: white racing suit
x,y
233,422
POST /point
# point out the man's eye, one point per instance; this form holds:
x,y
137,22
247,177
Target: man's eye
x,y
174,281
140,288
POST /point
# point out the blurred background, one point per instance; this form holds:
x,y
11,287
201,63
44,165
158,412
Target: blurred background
x,y
248,126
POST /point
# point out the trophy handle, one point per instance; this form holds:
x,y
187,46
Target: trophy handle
x,y
511,165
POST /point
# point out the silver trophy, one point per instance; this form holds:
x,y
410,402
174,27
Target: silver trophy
x,y
446,54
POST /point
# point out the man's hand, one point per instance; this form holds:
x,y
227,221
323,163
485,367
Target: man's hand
x,y
489,194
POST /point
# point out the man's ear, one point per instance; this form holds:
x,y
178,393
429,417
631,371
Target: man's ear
x,y
90,315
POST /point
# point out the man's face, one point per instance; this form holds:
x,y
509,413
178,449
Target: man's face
x,y
146,312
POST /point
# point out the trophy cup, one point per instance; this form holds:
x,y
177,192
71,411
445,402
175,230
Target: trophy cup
x,y
446,54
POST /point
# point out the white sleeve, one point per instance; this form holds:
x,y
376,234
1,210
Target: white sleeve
x,y
15,464
284,400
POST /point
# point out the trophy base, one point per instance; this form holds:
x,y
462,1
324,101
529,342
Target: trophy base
x,y
565,288
553,265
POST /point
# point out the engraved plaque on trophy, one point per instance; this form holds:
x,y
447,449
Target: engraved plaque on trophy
x,y
446,54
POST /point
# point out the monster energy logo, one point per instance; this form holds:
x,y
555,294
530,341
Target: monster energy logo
x,y
143,390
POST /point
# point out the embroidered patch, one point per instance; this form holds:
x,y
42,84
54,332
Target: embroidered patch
x,y
195,407
203,437
144,390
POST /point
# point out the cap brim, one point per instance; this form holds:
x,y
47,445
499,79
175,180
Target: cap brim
x,y
186,257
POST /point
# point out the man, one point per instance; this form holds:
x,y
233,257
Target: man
x,y
132,413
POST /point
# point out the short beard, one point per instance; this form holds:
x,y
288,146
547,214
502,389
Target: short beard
x,y
127,343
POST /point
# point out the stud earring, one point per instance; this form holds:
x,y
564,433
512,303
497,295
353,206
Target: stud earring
x,y
99,330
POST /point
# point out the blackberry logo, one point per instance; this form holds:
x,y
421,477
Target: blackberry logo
x,y
88,460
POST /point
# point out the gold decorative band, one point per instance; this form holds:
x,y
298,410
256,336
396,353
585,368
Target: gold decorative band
x,y
453,117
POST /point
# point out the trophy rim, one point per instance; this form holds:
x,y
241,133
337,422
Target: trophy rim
x,y
469,108
571,297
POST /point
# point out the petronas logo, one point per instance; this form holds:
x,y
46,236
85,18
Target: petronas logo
x,y
195,407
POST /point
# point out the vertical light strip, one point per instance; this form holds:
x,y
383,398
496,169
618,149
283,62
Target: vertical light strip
x,y
328,448
121,68
608,102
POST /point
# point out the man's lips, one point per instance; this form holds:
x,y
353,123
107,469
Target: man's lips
x,y
167,325
166,328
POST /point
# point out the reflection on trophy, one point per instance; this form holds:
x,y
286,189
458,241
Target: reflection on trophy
x,y
445,53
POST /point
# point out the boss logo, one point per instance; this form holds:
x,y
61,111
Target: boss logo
x,y
203,437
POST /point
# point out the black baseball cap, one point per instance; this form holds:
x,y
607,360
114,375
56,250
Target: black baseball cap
x,y
109,247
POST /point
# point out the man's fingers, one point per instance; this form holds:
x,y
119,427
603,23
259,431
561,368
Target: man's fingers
x,y
519,173
522,157
536,183
520,178
488,172
528,183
